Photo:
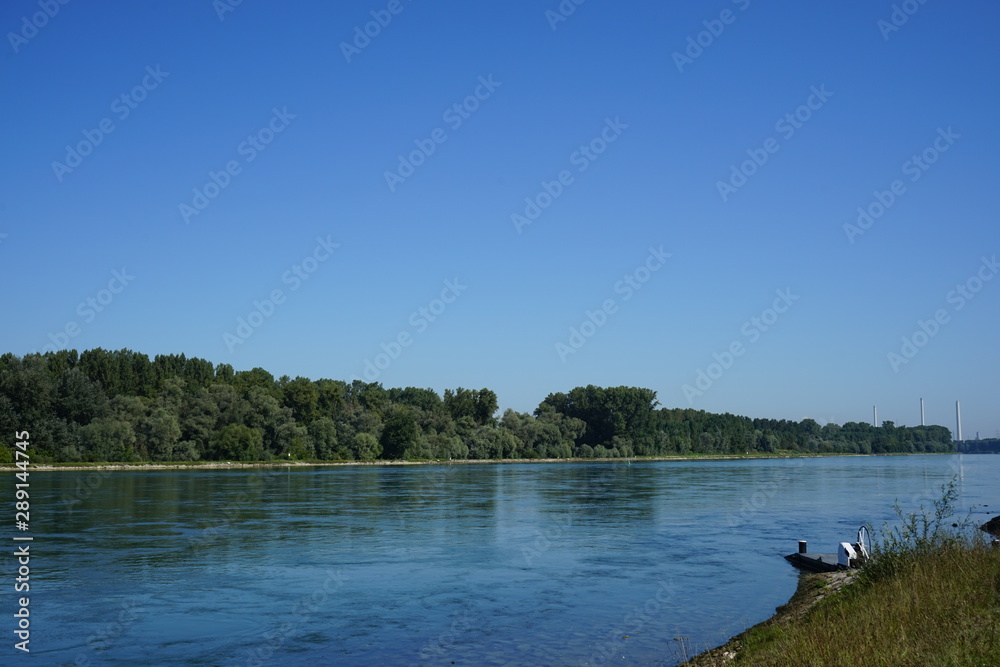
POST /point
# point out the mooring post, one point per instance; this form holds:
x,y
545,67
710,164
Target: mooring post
x,y
802,546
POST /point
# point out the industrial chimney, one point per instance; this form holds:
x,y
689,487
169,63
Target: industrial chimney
x,y
958,420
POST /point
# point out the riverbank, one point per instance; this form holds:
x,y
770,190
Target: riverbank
x,y
212,465
941,606
812,588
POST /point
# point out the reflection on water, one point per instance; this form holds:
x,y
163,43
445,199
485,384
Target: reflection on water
x,y
477,564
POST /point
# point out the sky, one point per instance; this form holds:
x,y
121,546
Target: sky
x,y
777,210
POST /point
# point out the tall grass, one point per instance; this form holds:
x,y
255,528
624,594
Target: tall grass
x,y
929,596
919,533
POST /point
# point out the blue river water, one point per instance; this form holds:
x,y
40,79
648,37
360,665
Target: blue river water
x,y
473,564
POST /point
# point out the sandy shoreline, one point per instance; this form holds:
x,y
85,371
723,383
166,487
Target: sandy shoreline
x,y
215,465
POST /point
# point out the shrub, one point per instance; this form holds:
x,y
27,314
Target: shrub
x,y
918,534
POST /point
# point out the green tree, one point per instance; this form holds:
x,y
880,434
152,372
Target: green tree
x,y
366,447
295,441
29,387
59,362
9,421
330,400
79,399
485,407
302,397
224,373
268,415
398,432
237,442
424,399
198,418
186,450
162,433
230,406
199,372
256,378
616,411
108,439
478,405
323,432
172,394
370,397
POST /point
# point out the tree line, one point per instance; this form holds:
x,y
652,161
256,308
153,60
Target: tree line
x,y
122,406
985,446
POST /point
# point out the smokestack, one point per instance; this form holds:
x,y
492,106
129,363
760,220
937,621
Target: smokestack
x,y
922,423
875,416
958,419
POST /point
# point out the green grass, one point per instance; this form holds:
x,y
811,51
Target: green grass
x,y
930,596
942,608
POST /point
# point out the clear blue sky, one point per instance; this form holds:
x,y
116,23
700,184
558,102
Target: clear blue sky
x,y
672,130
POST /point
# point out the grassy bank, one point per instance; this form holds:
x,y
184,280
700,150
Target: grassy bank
x,y
944,609
931,596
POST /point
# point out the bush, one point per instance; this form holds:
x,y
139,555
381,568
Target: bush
x,y
918,534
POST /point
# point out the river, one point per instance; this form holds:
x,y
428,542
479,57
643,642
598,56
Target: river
x,y
474,564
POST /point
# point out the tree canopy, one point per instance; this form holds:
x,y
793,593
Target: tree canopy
x,y
102,405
